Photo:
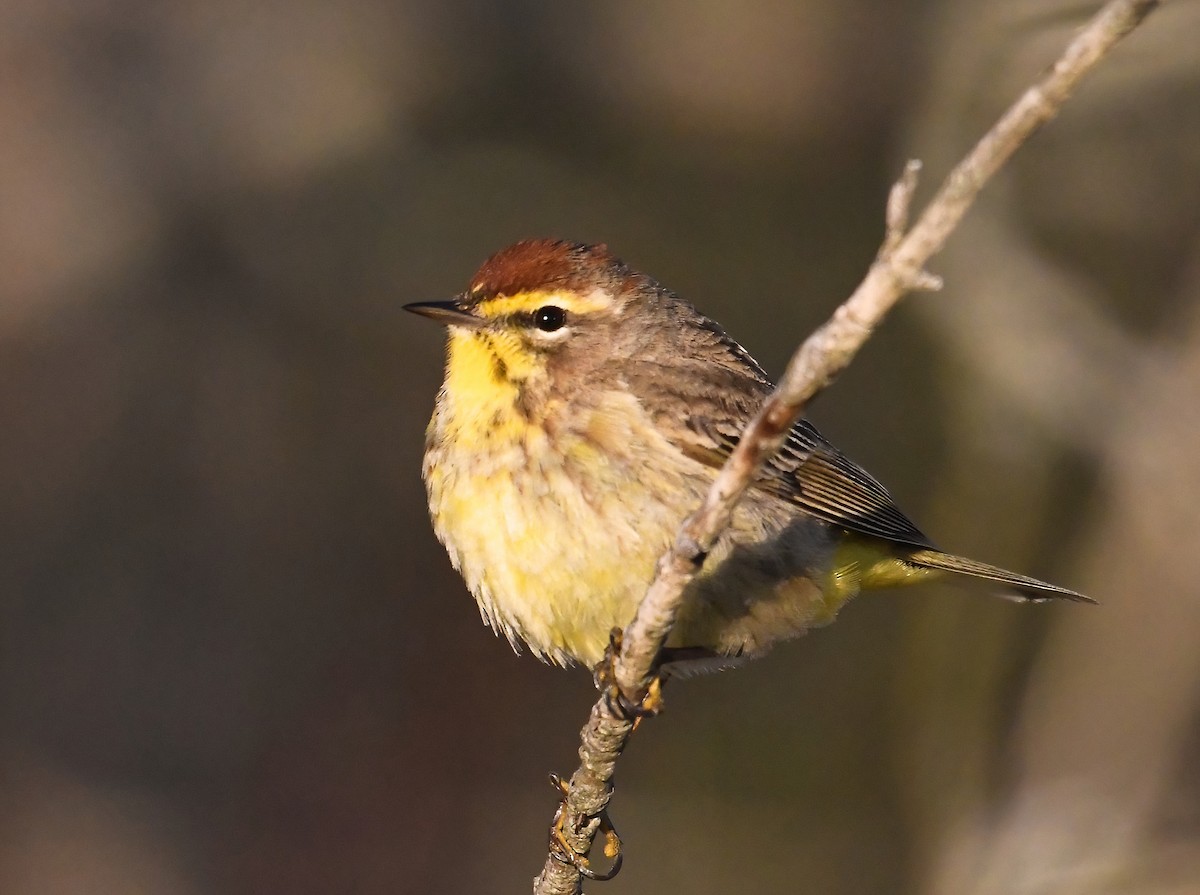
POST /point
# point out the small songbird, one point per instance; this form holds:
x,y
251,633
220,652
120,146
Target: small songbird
x,y
585,412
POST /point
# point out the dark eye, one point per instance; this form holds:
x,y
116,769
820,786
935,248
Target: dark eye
x,y
548,318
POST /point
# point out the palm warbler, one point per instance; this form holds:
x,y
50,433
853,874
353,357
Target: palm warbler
x,y
585,412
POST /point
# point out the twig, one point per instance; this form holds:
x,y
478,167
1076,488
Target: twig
x,y
898,269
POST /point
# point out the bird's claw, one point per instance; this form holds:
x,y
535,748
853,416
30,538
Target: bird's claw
x,y
618,703
561,849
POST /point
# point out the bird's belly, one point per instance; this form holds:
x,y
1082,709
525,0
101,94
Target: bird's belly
x,y
558,541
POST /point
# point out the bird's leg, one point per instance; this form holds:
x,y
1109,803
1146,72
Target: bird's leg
x,y
604,675
561,848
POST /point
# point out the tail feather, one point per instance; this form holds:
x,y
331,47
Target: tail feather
x,y
1021,585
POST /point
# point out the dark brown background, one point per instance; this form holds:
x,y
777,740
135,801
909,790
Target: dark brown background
x,y
233,659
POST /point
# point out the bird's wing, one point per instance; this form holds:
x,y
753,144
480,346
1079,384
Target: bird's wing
x,y
707,418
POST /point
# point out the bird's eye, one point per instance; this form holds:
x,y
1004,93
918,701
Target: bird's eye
x,y
548,318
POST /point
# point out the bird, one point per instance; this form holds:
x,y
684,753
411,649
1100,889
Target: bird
x,y
584,413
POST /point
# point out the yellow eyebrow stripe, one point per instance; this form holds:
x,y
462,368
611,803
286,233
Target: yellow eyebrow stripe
x,y
527,302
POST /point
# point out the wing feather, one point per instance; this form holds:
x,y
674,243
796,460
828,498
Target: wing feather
x,y
706,418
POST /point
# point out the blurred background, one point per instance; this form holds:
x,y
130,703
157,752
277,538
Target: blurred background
x,y
233,659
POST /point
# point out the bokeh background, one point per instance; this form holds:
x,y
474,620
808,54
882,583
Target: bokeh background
x,y
233,659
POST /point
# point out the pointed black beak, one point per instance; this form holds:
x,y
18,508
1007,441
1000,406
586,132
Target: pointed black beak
x,y
449,313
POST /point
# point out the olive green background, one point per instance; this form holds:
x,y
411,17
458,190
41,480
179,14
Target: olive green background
x,y
233,659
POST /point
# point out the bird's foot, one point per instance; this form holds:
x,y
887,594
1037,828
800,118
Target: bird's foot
x,y
605,677
561,848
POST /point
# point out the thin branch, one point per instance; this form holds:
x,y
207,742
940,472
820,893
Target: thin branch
x,y
898,269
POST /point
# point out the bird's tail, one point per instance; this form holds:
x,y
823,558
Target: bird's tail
x,y
1020,586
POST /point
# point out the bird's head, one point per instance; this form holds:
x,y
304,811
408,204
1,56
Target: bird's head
x,y
541,308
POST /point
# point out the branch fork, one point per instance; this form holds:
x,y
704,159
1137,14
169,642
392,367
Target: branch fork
x,y
899,205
